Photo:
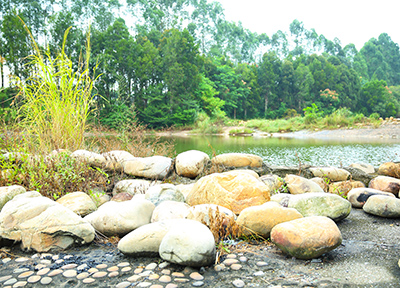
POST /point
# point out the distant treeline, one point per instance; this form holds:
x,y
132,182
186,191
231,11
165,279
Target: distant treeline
x,y
169,61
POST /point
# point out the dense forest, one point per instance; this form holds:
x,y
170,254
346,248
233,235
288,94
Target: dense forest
x,y
165,62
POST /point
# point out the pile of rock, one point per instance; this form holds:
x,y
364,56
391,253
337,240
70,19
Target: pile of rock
x,y
152,217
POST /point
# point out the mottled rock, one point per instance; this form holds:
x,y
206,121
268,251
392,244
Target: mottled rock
x,y
190,243
42,224
116,158
79,202
191,163
300,185
308,237
155,167
342,188
358,196
91,158
385,184
120,218
164,192
332,173
273,183
321,183
131,186
261,219
167,210
366,168
121,197
9,192
389,169
234,191
237,160
383,206
202,213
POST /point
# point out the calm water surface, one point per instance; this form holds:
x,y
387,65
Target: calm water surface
x,y
289,151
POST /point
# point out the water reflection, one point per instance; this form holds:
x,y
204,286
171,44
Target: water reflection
x,y
289,151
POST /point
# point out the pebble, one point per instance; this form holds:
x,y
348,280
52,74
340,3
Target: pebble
x,y
93,270
123,284
181,280
10,281
59,261
25,274
55,272
69,266
112,269
100,274
6,260
113,274
198,283
229,262
138,270
123,264
40,266
243,259
55,257
146,273
20,270
69,273
151,266
154,277
66,257
219,267
88,280
231,256
82,267
238,283
134,278
46,280
196,276
259,273
171,285
34,279
43,271
20,284
21,259
165,279
163,265
236,267
5,278
45,262
144,284
83,275
45,255
178,274
166,271
101,266
126,269
156,286
261,263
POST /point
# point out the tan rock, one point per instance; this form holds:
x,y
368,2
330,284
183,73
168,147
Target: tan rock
x,y
383,206
155,167
191,163
131,186
358,196
332,173
185,189
9,192
116,158
237,160
273,183
385,184
389,169
167,210
203,212
121,197
342,188
299,185
79,202
234,191
308,237
92,158
367,168
261,219
247,171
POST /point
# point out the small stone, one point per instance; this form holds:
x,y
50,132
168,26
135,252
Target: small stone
x,y
35,256
82,267
166,271
21,259
88,280
45,262
144,284
40,266
198,283
236,267
25,274
123,284
151,266
163,265
34,279
11,281
219,267
196,276
101,266
46,280
55,257
70,273
112,269
126,269
93,270
100,274
55,272
123,264
258,273
165,279
138,270
83,275
46,255
243,259
181,280
66,257
156,286
20,270
261,263
113,274
6,260
59,261
178,274
238,283
229,262
20,284
171,285
134,278
69,266
5,278
231,256
154,277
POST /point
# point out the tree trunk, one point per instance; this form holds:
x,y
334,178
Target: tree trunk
x,y
265,104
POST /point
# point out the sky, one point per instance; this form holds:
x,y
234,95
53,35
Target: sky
x,y
351,21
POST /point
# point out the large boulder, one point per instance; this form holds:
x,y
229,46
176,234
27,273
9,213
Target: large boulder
x,y
342,188
168,210
164,192
119,218
79,202
238,160
91,158
307,238
234,191
389,169
299,185
262,218
332,173
358,196
155,167
131,186
116,158
383,206
9,192
317,204
386,184
188,243
191,163
42,224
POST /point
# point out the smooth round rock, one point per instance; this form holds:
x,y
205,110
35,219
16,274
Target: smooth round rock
x,y
198,283
46,280
11,281
236,267
34,279
113,274
126,269
100,274
123,264
43,271
25,274
123,284
55,272
238,283
5,278
83,275
165,279
88,280
101,266
196,276
112,269
20,284
70,273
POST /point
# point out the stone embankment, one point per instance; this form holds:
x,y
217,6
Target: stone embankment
x,y
300,209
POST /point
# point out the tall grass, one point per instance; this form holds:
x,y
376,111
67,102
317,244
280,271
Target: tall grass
x,y
56,100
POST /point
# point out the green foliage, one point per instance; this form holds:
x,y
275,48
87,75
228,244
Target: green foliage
x,y
312,114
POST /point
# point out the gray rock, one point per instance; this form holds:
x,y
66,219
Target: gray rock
x,y
299,185
164,192
156,167
358,196
191,163
9,192
332,173
116,158
167,210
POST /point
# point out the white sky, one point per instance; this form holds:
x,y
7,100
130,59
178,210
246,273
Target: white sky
x,y
351,21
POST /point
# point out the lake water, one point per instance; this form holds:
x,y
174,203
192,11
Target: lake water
x,y
289,151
